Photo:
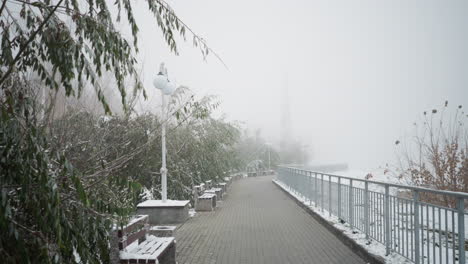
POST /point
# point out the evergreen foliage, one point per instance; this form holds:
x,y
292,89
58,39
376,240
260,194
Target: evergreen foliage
x,y
54,209
67,180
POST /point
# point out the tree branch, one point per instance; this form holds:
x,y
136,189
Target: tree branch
x,y
31,38
3,6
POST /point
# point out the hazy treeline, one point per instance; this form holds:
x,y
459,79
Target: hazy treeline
x,y
199,147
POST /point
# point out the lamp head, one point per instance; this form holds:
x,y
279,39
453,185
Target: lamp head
x,y
160,81
170,88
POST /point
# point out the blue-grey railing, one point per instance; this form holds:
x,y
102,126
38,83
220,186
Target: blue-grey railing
x,y
392,214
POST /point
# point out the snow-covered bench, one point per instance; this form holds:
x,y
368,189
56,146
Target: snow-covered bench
x,y
208,184
228,180
198,189
223,186
217,191
136,246
206,202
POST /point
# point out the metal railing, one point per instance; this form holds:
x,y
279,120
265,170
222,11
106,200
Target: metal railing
x,y
392,214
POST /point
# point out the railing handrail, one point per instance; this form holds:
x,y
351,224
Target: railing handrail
x,y
402,186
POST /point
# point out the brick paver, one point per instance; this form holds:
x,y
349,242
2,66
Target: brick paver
x,y
257,223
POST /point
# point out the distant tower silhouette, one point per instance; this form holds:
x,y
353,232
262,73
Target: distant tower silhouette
x,y
286,135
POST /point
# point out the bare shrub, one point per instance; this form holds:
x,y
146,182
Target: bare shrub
x,y
437,157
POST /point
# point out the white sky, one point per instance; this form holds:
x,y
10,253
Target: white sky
x,y
359,72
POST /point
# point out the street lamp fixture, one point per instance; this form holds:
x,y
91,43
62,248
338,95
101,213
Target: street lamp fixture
x,y
161,82
164,211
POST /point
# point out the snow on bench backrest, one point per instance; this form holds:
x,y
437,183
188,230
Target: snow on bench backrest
x,y
207,196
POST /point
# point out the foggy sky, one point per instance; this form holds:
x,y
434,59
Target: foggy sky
x,y
359,73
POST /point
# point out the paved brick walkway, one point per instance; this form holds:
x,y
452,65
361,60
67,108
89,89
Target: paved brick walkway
x,y
257,223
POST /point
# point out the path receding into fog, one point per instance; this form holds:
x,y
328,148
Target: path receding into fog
x,y
258,223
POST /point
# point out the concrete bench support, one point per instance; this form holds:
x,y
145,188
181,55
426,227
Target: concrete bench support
x,y
206,202
170,212
162,231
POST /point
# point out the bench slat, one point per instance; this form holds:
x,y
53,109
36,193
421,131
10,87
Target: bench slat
x,y
141,246
164,245
148,248
153,249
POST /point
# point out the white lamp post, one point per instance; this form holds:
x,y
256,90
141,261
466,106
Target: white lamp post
x,y
162,83
163,212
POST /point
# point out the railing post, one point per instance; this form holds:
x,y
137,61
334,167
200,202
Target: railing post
x,y
329,195
309,177
387,220
339,197
315,187
321,192
293,180
299,183
289,176
282,174
306,187
417,249
461,230
298,179
351,203
285,175
366,208
304,184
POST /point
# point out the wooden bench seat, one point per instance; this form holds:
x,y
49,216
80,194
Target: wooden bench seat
x,y
152,250
136,246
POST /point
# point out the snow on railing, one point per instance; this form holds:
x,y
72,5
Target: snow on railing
x,y
421,231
